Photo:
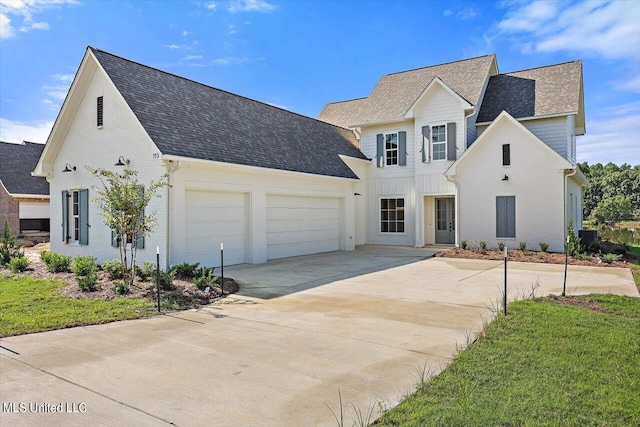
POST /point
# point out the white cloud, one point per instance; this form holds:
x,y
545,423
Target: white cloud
x,y
57,91
232,29
447,12
629,84
24,11
250,6
192,57
12,131
185,33
607,29
613,136
211,6
466,13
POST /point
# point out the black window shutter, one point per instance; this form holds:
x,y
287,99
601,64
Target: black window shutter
x,y
100,111
140,239
115,242
426,144
402,148
380,148
511,216
451,141
65,216
506,154
83,196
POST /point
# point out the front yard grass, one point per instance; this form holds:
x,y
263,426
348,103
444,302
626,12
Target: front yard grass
x,y
552,361
29,305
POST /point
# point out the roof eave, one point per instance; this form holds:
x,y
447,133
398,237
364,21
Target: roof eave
x,y
523,119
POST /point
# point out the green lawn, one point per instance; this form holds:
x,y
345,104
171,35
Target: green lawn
x,y
546,364
30,305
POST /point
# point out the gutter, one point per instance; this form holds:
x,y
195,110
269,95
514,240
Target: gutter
x,y
170,169
566,220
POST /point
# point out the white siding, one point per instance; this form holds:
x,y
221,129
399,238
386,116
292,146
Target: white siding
x,y
369,148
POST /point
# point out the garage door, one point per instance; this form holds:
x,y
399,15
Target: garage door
x,y
302,225
214,218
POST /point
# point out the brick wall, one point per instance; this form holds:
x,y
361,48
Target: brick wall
x,y
9,210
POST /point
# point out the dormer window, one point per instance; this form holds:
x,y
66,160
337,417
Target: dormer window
x,y
391,149
439,142
100,112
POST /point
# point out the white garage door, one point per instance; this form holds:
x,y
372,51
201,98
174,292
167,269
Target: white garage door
x,y
302,225
34,210
214,218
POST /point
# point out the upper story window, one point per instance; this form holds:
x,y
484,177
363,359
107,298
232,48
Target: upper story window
x,y
439,142
506,154
100,111
391,149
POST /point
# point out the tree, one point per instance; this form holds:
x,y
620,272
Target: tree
x,y
613,209
122,201
607,182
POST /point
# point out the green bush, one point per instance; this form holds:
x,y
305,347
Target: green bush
x,y
463,244
87,283
120,288
574,246
482,245
523,246
609,258
204,277
544,247
582,256
56,263
113,268
84,265
501,246
185,270
8,246
146,271
19,264
166,280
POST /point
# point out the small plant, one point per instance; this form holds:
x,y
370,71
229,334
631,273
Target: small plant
x,y
609,258
56,263
8,246
18,264
185,270
582,257
83,265
204,277
166,280
120,288
87,283
146,271
482,245
523,246
574,246
544,246
463,244
113,268
501,246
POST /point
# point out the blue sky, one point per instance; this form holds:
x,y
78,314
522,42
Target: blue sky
x,y
301,54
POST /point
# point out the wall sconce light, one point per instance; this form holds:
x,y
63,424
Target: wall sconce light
x,y
122,161
68,168
357,194
506,178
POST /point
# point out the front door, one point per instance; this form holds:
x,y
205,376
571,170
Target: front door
x,y
445,221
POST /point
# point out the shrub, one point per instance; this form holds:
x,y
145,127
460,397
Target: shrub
x,y
574,246
166,280
185,270
113,268
609,258
84,265
88,282
204,277
147,270
19,264
56,263
501,246
482,245
544,246
463,244
8,246
120,288
523,246
582,257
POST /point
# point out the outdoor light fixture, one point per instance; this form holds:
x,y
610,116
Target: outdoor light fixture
x,y
357,194
68,168
122,161
506,178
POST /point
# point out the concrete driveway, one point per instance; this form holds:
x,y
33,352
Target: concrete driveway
x,y
301,330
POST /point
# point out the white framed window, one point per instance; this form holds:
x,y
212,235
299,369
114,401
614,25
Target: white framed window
x,y
439,142
392,215
391,148
74,219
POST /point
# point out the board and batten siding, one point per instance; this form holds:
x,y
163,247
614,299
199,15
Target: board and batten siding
x,y
368,145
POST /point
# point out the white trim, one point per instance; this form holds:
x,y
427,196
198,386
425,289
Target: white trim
x,y
446,140
524,119
384,148
384,122
344,156
29,196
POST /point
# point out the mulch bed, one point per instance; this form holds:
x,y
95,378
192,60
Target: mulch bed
x,y
184,295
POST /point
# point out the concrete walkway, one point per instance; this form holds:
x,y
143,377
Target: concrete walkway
x,y
360,327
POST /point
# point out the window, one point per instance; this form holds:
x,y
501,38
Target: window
x,y
391,148
439,142
506,154
506,216
100,113
392,215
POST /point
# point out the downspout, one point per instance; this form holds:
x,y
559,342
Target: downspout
x,y
170,169
566,221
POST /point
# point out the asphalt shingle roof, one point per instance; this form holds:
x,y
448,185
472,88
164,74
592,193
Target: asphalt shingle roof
x,y
17,161
554,89
190,119
395,93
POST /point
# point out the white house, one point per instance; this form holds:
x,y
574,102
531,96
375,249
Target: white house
x,y
403,166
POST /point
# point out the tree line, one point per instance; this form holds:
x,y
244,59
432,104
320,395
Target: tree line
x,y
614,192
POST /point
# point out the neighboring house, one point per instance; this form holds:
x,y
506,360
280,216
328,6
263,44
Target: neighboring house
x,y
24,199
428,157
266,182
465,153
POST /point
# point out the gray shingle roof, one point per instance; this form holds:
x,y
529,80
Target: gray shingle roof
x,y
17,161
395,93
190,119
543,91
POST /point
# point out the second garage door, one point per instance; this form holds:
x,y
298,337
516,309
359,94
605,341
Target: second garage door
x,y
302,225
213,218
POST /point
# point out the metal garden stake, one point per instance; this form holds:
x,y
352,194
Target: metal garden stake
x,y
158,275
505,281
221,269
566,261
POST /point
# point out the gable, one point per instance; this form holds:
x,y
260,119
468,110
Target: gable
x,y
437,88
16,164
